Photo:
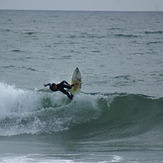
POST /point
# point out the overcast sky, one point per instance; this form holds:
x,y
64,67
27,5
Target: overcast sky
x,y
107,5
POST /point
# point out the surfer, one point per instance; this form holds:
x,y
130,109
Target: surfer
x,y
60,87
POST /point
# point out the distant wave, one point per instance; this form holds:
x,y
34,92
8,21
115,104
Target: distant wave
x,y
114,28
43,112
30,33
126,35
154,42
100,36
17,51
153,32
5,30
87,35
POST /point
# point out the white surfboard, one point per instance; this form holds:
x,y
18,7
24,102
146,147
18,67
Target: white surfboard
x,y
77,80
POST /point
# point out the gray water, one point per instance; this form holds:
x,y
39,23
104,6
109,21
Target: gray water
x,y
117,116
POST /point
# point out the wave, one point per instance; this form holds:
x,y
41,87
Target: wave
x,y
17,51
153,32
31,33
43,112
154,42
126,35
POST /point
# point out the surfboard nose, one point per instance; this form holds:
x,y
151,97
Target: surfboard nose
x,y
77,69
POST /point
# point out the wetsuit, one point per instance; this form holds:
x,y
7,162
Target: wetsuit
x,y
61,86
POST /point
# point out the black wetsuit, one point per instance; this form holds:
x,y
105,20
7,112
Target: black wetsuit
x,y
61,86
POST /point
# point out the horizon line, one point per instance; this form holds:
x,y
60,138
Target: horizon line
x,y
73,10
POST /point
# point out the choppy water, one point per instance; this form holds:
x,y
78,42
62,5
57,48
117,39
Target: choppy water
x,y
118,115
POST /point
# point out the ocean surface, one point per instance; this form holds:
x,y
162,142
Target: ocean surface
x,y
117,116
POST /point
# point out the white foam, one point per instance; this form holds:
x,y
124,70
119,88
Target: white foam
x,y
52,158
16,104
26,159
26,111
9,99
14,101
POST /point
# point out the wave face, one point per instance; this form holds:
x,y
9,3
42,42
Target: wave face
x,y
43,112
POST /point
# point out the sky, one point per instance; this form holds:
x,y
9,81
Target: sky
x,y
97,5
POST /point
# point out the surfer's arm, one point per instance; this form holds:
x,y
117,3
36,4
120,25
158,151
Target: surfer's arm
x,y
49,84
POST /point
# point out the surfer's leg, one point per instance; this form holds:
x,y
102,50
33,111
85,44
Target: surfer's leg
x,y
68,86
71,96
66,93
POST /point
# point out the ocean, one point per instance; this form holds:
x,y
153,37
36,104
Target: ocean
x,y
118,114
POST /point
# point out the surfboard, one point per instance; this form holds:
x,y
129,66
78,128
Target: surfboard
x,y
77,80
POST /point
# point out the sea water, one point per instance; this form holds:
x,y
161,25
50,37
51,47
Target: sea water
x,y
117,116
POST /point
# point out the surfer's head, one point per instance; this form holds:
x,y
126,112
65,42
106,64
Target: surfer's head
x,y
53,87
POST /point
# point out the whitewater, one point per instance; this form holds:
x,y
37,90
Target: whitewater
x,y
118,114
39,112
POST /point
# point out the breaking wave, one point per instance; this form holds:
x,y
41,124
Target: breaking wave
x,y
44,112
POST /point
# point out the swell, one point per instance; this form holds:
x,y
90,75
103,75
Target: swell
x,y
42,112
127,115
